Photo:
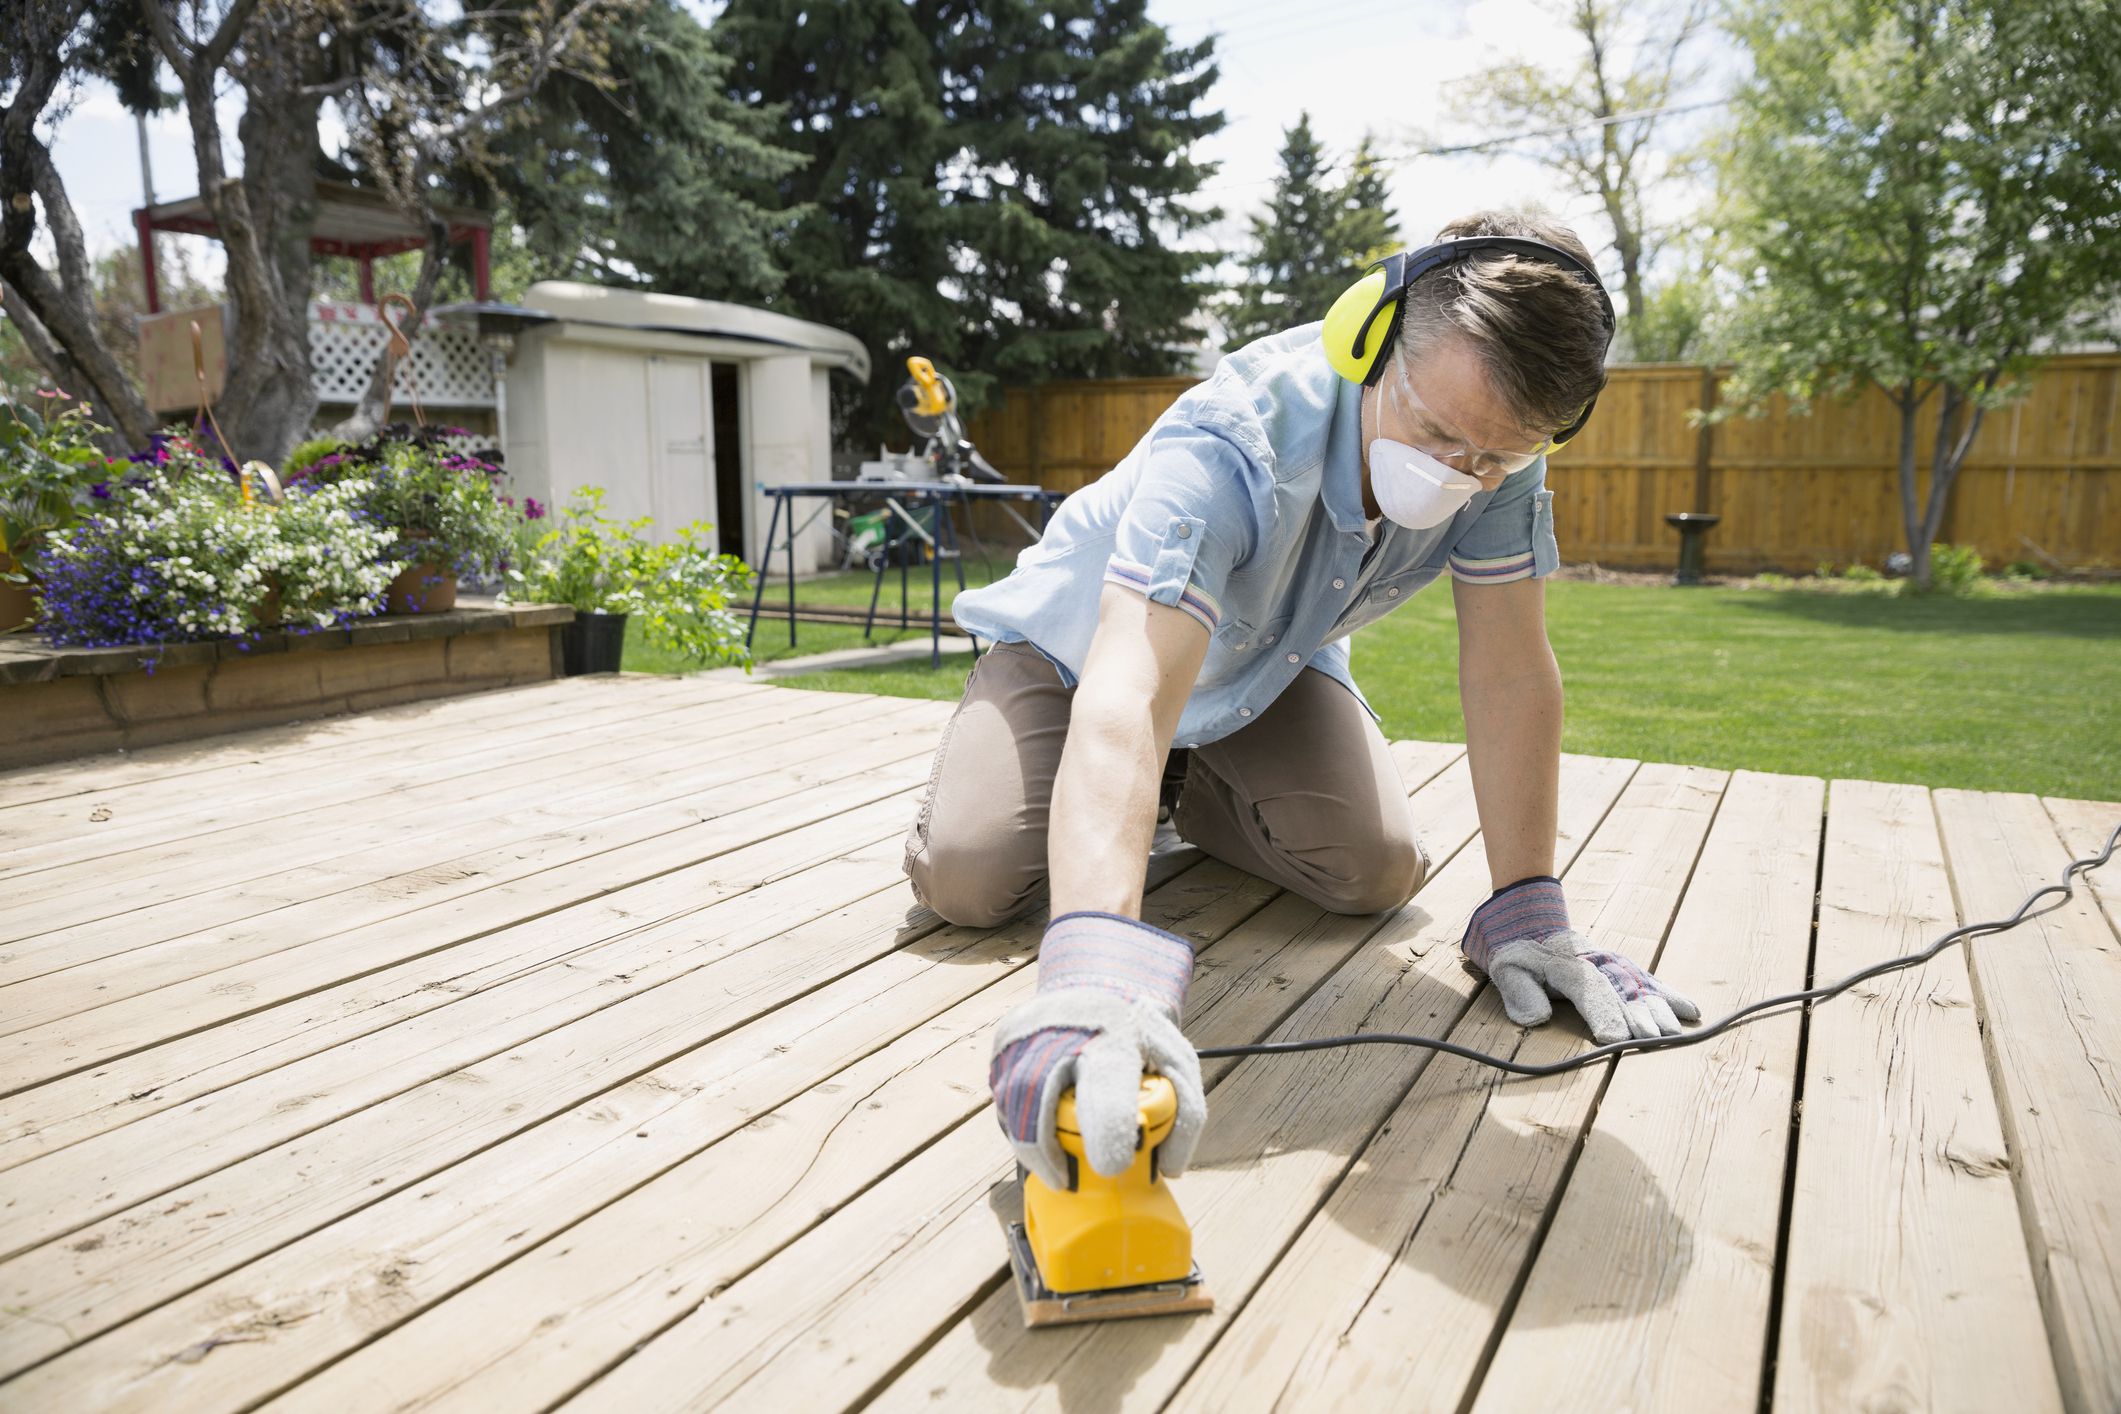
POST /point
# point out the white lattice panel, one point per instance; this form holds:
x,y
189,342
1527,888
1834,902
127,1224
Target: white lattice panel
x,y
451,366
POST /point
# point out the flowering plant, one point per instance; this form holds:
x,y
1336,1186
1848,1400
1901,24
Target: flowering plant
x,y
442,501
48,463
681,588
176,555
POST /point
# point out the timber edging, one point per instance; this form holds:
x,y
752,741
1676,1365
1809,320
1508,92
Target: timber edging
x,y
57,703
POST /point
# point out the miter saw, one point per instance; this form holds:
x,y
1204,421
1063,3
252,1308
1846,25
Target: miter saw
x,y
929,404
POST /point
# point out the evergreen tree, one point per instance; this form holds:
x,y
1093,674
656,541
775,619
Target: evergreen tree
x,y
1067,191
650,176
1365,229
866,246
1291,241
995,184
1313,237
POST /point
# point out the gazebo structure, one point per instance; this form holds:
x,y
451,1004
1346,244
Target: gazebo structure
x,y
351,221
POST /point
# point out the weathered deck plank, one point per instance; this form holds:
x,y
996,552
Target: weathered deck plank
x,y
1652,1287
659,1092
52,898
1282,1127
104,823
1906,1283
1390,1295
339,740
517,923
2048,994
754,809
669,771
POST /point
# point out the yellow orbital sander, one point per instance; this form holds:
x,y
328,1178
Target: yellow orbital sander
x,y
1108,1248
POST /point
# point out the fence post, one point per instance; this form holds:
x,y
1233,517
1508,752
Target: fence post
x,y
1705,438
1038,398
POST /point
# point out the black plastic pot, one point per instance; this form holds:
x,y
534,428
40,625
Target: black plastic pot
x,y
593,643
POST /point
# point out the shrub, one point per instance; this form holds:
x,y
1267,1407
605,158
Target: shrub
x,y
680,590
1954,569
48,464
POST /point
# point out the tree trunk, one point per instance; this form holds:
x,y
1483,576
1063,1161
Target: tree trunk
x,y
1954,441
271,394
1918,548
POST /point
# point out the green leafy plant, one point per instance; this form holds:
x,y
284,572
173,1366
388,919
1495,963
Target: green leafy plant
x,y
308,454
49,465
680,589
1954,569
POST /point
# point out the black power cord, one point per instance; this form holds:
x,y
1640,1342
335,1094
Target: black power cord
x,y
1691,1038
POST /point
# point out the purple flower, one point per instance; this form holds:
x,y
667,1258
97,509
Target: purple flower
x,y
101,490
531,509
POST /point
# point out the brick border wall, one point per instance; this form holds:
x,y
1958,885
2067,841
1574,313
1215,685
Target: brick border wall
x,y
62,703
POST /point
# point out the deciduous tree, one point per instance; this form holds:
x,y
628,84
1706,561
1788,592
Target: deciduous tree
x,y
1596,125
1924,195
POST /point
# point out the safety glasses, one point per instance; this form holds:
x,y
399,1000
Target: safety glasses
x,y
1429,430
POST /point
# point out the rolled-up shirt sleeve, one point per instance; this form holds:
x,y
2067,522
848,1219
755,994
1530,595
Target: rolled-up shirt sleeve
x,y
1513,536
1189,520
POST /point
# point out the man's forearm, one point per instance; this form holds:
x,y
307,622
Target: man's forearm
x,y
1513,743
1104,804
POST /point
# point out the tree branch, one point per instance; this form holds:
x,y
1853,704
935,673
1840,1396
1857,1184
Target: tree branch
x,y
216,51
541,61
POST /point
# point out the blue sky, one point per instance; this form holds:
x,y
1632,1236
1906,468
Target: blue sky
x,y
1381,66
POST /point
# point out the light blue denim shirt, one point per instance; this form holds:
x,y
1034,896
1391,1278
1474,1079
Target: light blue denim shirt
x,y
1242,506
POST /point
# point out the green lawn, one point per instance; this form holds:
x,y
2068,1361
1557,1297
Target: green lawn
x,y
2014,691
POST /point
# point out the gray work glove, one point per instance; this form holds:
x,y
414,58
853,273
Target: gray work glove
x,y
1522,940
1110,990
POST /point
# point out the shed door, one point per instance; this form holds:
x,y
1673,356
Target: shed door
x,y
680,414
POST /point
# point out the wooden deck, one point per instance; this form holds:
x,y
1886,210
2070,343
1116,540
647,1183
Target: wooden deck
x,y
581,1045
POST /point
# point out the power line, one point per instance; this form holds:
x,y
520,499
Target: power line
x,y
1396,159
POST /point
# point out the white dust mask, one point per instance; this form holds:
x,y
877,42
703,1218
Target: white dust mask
x,y
1414,489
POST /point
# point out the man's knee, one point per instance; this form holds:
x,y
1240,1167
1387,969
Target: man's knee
x,y
1382,875
966,884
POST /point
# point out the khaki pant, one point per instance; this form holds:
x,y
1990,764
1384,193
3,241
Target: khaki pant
x,y
1306,796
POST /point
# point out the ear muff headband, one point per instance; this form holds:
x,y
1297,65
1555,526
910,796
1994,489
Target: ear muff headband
x,y
1362,327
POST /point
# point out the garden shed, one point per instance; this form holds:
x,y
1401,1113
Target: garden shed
x,y
680,408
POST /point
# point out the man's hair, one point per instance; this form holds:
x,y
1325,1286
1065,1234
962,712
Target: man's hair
x,y
1538,330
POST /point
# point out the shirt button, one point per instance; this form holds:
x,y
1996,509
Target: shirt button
x,y
1340,584
1244,711
1294,659
1391,594
1184,531
1268,639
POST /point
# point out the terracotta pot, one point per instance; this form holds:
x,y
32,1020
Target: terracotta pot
x,y
17,601
422,589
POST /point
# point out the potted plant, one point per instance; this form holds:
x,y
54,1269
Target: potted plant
x,y
449,519
48,464
608,572
175,552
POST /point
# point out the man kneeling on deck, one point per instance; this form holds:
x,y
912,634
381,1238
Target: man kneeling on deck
x,y
1198,599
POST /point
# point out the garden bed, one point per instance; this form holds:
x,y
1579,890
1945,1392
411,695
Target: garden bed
x,y
57,703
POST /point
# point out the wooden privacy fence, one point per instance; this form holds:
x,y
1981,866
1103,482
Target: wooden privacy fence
x,y
2042,483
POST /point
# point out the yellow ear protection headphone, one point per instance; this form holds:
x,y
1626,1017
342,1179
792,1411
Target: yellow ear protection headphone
x,y
1363,324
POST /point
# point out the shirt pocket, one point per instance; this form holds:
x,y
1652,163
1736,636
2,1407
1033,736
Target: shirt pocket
x,y
1254,634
